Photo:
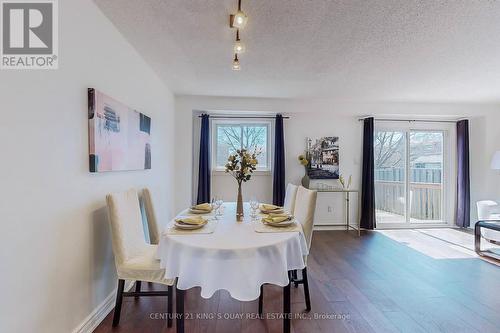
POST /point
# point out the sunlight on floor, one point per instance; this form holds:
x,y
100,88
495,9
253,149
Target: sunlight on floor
x,y
387,217
445,243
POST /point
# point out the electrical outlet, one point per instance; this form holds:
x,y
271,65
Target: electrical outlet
x,y
330,209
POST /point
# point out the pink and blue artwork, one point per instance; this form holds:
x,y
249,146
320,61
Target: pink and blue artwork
x,y
119,137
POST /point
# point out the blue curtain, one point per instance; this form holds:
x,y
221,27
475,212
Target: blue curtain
x,y
463,175
368,177
279,163
204,162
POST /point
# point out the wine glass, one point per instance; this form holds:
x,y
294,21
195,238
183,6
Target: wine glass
x,y
219,203
254,204
250,202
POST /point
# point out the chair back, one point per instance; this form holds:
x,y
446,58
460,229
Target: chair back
x,y
305,206
126,225
290,195
153,229
485,209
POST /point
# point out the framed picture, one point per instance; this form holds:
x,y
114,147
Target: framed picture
x,y
324,156
119,137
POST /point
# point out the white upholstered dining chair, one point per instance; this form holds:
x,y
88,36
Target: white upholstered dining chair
x,y
305,206
153,228
134,258
290,195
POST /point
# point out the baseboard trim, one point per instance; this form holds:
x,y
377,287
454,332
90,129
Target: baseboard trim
x,y
320,227
93,320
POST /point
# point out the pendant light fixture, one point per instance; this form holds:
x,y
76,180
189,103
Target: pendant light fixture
x,y
236,63
238,20
239,46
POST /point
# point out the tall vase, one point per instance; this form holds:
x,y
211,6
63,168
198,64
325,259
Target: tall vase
x,y
305,181
239,205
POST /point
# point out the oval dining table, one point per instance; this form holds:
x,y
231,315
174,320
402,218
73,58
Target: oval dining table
x,y
234,257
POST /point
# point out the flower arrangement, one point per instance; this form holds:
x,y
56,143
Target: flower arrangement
x,y
241,166
305,161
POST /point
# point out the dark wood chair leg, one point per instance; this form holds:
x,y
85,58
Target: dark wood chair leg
x,y
170,305
137,288
306,289
118,304
295,278
286,308
179,306
261,301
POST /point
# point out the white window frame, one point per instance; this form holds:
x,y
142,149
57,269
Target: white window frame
x,y
244,122
449,169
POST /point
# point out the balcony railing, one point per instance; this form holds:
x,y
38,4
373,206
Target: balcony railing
x,y
425,193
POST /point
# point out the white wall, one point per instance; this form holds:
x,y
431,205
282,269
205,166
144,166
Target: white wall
x,y
484,141
313,118
56,259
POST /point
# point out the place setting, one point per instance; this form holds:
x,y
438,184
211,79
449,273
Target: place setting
x,y
273,218
200,219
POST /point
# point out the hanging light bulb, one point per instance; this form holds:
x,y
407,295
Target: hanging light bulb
x,y
236,63
238,20
239,46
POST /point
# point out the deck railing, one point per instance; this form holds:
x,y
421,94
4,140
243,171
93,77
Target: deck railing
x,y
425,192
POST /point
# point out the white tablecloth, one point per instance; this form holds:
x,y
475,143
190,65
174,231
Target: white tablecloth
x,y
234,257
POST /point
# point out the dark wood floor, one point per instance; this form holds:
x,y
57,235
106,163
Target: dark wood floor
x,y
367,284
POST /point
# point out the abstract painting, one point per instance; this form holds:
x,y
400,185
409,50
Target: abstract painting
x,y
324,156
119,137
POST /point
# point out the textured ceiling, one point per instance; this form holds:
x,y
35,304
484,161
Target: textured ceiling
x,y
426,51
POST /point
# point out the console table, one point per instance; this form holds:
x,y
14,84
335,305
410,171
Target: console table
x,y
347,193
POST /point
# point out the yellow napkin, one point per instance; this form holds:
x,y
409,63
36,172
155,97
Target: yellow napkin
x,y
269,207
279,215
194,220
276,219
204,206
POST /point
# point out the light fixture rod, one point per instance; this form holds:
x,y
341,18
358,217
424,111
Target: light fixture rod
x,y
239,4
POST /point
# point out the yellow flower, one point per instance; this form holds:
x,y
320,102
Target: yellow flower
x,y
304,162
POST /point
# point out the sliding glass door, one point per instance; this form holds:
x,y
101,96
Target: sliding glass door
x,y
426,176
409,176
390,176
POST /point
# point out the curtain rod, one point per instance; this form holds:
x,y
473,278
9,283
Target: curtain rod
x,y
244,117
413,120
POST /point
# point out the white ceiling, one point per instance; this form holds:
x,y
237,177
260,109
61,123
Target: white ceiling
x,y
350,50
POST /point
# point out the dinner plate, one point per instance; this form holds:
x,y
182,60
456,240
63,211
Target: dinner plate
x,y
199,211
184,226
280,224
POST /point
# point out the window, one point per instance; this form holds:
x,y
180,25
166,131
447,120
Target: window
x,y
229,136
410,175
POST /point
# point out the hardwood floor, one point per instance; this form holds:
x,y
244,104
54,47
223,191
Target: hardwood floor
x,y
368,284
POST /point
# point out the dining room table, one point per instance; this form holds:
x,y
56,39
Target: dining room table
x,y
236,256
